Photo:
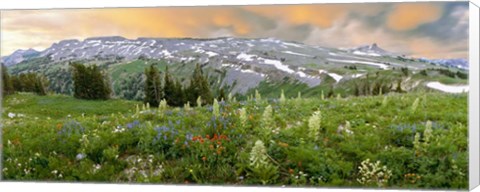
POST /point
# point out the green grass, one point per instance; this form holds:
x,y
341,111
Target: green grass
x,y
112,133
60,106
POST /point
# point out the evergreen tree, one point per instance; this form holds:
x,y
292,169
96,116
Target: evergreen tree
x,y
199,87
7,84
89,82
40,86
153,88
221,95
179,94
169,89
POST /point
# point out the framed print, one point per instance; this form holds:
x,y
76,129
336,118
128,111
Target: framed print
x,y
319,95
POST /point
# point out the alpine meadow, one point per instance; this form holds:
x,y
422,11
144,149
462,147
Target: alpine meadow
x,y
243,100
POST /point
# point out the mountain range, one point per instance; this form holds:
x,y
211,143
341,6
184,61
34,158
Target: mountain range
x,y
240,64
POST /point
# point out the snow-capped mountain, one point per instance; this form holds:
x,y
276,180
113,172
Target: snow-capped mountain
x,y
242,63
370,50
454,63
19,56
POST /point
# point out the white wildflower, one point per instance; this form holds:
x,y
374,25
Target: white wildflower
x,y
11,115
199,101
243,116
216,108
258,155
282,98
314,123
415,105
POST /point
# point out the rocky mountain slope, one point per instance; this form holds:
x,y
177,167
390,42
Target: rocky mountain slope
x,y
240,64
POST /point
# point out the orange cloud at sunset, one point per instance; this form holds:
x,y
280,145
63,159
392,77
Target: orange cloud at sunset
x,y
335,25
409,16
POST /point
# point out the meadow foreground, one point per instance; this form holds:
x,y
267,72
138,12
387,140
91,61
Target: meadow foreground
x,y
413,140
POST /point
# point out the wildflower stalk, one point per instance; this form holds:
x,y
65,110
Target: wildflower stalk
x,y
415,105
385,101
267,120
216,108
258,97
199,101
282,97
243,116
314,123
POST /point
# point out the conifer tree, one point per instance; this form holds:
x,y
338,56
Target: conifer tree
x,y
199,87
7,86
90,83
169,89
153,88
180,98
221,96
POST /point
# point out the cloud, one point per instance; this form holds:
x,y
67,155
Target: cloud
x,y
410,28
408,16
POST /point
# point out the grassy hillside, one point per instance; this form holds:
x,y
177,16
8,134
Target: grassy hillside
x,y
420,138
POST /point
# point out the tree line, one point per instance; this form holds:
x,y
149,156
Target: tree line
x,y
25,82
91,83
172,91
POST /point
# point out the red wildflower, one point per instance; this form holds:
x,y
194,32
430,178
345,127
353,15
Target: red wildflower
x,y
204,158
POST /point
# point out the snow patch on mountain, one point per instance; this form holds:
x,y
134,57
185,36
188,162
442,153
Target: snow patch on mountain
x,y
448,88
380,65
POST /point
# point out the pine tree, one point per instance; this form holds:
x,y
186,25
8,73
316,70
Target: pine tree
x,y
169,88
7,84
153,89
199,87
221,96
40,86
179,94
89,82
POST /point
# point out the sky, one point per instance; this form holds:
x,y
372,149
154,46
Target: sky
x,y
428,29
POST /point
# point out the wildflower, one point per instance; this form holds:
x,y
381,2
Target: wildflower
x,y
258,155
384,102
199,101
54,172
290,171
258,97
96,167
204,158
243,116
282,97
11,115
415,105
216,108
267,119
80,156
373,173
428,131
314,123
241,178
283,144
